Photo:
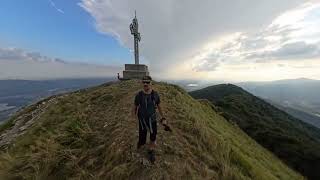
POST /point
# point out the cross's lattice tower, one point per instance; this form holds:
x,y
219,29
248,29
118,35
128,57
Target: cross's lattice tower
x,y
134,28
136,70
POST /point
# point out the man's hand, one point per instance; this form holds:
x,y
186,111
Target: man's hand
x,y
165,125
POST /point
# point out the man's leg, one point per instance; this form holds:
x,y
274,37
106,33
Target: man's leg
x,y
153,136
152,144
142,135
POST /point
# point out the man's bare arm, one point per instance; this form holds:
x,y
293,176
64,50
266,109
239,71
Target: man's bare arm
x,y
160,110
161,113
134,111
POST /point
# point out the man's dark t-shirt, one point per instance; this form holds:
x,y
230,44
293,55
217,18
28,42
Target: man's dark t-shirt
x,y
147,104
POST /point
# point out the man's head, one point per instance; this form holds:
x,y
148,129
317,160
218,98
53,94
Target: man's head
x,y
146,81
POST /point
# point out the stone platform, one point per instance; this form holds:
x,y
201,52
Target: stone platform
x,y
135,71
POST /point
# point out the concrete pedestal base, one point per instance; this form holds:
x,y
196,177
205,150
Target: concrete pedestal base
x,y
135,71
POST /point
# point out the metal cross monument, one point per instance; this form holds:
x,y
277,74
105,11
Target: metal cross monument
x,y
135,32
136,70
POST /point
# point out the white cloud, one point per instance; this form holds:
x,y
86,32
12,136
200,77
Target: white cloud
x,y
290,51
20,54
19,64
174,31
294,35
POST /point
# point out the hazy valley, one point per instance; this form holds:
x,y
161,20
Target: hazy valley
x,y
15,94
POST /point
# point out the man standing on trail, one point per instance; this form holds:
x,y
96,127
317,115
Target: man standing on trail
x,y
145,104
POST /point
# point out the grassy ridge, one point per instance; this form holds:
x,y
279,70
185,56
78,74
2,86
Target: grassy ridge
x,y
90,135
292,140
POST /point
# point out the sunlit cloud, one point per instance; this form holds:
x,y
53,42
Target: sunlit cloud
x,y
292,37
175,35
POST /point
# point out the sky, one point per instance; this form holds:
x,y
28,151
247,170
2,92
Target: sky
x,y
226,40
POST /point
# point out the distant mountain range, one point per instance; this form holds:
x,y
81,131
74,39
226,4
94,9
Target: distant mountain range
x,y
15,94
295,142
298,97
302,115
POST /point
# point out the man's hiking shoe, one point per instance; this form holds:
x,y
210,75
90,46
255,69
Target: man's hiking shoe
x,y
152,156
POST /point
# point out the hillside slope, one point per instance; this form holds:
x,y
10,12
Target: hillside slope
x,y
306,117
301,94
89,134
292,140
